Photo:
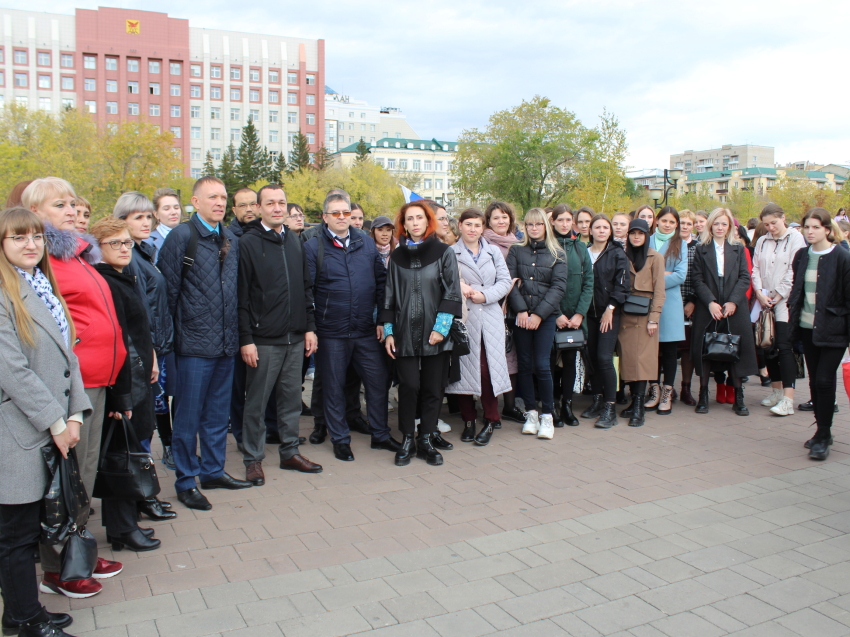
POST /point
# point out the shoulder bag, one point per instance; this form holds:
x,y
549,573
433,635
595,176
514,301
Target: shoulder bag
x,y
509,335
766,329
569,339
637,305
126,473
723,347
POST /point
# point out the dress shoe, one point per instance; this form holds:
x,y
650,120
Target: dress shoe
x,y
254,473
194,499
702,404
300,463
165,504
608,417
272,437
152,508
360,425
808,406
425,450
468,434
135,540
595,408
12,627
441,443
406,451
320,432
41,625
390,444
739,407
342,451
514,413
808,444
567,415
225,481
483,437
305,410
302,440
819,450
146,532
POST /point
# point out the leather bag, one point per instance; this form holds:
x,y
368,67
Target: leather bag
x,y
637,305
65,506
509,334
460,338
569,339
723,347
766,329
79,556
126,472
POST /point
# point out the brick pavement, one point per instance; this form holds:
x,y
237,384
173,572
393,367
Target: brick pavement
x,y
691,525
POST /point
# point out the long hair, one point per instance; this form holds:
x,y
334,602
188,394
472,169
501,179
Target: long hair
x,y
732,236
507,208
429,216
14,221
822,216
536,215
652,210
610,227
674,245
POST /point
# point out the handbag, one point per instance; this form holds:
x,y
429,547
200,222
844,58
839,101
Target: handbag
x,y
460,338
65,505
509,338
766,329
637,305
127,473
509,333
79,556
723,347
569,339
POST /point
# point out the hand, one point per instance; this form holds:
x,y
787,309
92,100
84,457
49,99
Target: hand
x,y
380,331
117,414
607,321
389,343
249,354
561,322
63,442
311,344
575,321
715,310
762,299
533,322
729,309
466,290
522,319
689,309
652,328
478,297
73,427
155,370
435,338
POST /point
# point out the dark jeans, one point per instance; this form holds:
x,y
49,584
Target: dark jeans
x,y
489,402
422,377
668,353
822,363
783,367
352,394
19,534
600,351
366,356
237,401
533,348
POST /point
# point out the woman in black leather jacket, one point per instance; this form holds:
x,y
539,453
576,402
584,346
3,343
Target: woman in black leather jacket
x,y
422,297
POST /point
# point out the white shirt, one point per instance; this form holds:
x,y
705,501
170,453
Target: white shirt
x,y
282,229
719,251
163,230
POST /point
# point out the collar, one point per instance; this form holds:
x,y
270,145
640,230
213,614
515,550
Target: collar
x,y
164,230
208,226
282,229
345,239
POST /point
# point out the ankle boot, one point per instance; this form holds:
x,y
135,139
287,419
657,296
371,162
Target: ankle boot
x,y
425,450
638,413
320,432
11,627
702,405
686,396
41,626
135,540
468,434
567,415
608,417
441,443
168,457
627,412
152,508
654,397
595,409
739,407
406,451
665,407
557,418
621,397
483,437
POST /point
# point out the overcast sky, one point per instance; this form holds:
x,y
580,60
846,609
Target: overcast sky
x,y
679,75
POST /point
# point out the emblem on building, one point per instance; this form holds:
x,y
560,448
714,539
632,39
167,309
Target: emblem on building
x,y
134,27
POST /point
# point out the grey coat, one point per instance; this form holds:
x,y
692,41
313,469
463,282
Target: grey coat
x,y
485,321
38,386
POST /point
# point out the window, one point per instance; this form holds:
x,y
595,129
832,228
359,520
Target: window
x,y
90,106
372,128
402,164
175,90
215,72
67,61
235,114
273,136
176,68
398,135
177,132
153,88
449,168
43,58
342,140
195,154
21,80
215,134
311,99
215,112
372,140
45,103
215,153
274,77
363,127
133,108
390,164
89,62
311,80
132,65
292,78
291,118
132,87
254,115
153,110
153,66
20,56
417,164
194,111
195,132
22,100
274,97
175,110
112,108
311,118
427,164
438,184
427,183
351,114
273,117
235,73
254,75
195,91
438,166
195,70
235,134
291,98
68,84
236,94
196,173
254,95
44,82
311,138
215,92
379,161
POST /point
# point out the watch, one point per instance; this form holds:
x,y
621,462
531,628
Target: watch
x,y
611,307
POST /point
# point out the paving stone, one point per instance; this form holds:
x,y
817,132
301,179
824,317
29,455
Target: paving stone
x,y
687,624
228,594
553,575
206,622
465,623
412,607
306,603
266,611
574,626
447,575
601,540
793,594
412,629
353,594
488,566
714,558
680,596
413,582
557,551
137,610
672,570
331,624
536,606
835,578
658,548
268,630
585,594
290,583
810,622
727,582
719,619
620,614
376,615
190,601
503,542
497,617
371,569
537,629
764,544
615,585
747,609
768,629
470,595
142,629
514,584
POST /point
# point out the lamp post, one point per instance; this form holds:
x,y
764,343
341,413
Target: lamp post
x,y
671,177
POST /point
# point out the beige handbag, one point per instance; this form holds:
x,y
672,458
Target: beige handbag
x,y
766,329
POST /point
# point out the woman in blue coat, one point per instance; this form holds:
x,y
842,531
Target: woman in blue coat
x,y
667,241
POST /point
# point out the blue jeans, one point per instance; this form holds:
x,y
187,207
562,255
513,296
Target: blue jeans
x,y
533,348
202,413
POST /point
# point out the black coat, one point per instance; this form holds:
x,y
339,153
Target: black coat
x,y
422,281
153,290
832,298
736,282
611,283
543,279
275,288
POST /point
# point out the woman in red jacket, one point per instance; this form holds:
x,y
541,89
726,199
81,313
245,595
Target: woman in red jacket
x,y
99,345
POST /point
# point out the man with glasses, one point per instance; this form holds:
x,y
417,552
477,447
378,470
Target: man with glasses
x,y
349,278
295,218
244,210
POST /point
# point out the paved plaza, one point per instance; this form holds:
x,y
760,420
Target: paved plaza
x,y
690,526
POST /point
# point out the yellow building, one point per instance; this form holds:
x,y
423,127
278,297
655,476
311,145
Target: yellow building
x,y
720,183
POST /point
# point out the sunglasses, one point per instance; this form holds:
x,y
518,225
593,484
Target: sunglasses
x,y
344,213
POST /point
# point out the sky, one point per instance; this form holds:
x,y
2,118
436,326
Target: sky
x,y
678,75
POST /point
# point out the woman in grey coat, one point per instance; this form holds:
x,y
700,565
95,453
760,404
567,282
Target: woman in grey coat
x,y
484,371
43,403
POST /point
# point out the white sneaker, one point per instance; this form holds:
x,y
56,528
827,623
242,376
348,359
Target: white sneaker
x,y
784,407
547,427
532,424
775,396
443,427
311,374
390,406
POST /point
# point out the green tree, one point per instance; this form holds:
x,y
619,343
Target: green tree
x,y
699,199
797,195
745,204
227,170
252,162
362,151
601,182
322,159
299,156
278,170
209,166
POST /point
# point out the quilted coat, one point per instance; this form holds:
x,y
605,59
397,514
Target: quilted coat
x,y
543,279
204,305
485,321
153,291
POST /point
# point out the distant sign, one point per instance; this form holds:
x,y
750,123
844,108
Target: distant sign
x,y
134,27
341,98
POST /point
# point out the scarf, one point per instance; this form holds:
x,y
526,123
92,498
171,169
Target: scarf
x,y
41,286
384,251
503,242
663,238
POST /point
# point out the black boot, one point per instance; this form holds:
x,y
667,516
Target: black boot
x,y
621,397
153,509
608,417
638,412
135,540
558,418
468,434
425,450
320,432
441,443
41,626
408,448
738,406
595,409
567,414
483,437
11,627
627,412
702,403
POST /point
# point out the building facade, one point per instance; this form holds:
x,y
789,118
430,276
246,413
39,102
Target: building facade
x,y
727,157
203,85
348,120
720,184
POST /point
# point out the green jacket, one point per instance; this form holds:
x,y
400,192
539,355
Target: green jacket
x,y
579,278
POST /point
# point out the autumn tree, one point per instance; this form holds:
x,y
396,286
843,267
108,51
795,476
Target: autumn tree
x,y
601,179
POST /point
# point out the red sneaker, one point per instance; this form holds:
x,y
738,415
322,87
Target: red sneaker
x,y
106,568
77,590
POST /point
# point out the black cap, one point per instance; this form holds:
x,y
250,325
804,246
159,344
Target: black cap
x,y
639,224
380,222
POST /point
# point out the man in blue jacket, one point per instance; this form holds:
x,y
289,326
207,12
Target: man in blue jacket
x,y
349,278
200,261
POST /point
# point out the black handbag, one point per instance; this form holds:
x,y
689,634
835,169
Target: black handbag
x,y
460,338
79,556
509,338
723,347
65,505
569,339
126,473
637,305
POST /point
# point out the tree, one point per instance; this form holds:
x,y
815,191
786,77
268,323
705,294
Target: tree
x,y
601,182
529,155
299,156
745,204
362,151
209,166
797,195
227,170
699,199
278,171
252,163
322,159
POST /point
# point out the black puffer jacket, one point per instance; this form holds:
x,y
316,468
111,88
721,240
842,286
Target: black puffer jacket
x,y
422,281
153,291
543,279
611,283
832,300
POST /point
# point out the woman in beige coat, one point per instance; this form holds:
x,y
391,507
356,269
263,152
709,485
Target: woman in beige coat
x,y
639,332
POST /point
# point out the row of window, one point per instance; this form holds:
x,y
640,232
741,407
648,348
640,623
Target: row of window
x,y
44,103
254,95
236,135
110,63
216,71
418,164
362,127
43,58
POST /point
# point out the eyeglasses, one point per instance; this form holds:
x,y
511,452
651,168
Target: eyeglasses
x,y
342,213
116,245
22,240
296,216
535,225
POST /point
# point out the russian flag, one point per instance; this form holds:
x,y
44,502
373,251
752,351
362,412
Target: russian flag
x,y
409,195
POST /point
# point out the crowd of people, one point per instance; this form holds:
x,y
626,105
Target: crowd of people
x,y
143,322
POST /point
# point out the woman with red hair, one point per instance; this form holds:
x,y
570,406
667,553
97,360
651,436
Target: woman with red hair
x,y
422,297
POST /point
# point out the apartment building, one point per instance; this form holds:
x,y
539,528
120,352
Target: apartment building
x,y
720,184
727,157
348,120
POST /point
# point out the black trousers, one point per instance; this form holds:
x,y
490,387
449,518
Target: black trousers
x,y
668,353
822,363
352,395
600,350
19,534
783,367
567,372
422,377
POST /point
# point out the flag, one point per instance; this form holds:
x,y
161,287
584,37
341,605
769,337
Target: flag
x,y
409,195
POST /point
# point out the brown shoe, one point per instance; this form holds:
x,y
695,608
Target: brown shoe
x,y
254,474
300,463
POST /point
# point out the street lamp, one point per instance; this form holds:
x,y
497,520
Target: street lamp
x,y
670,179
